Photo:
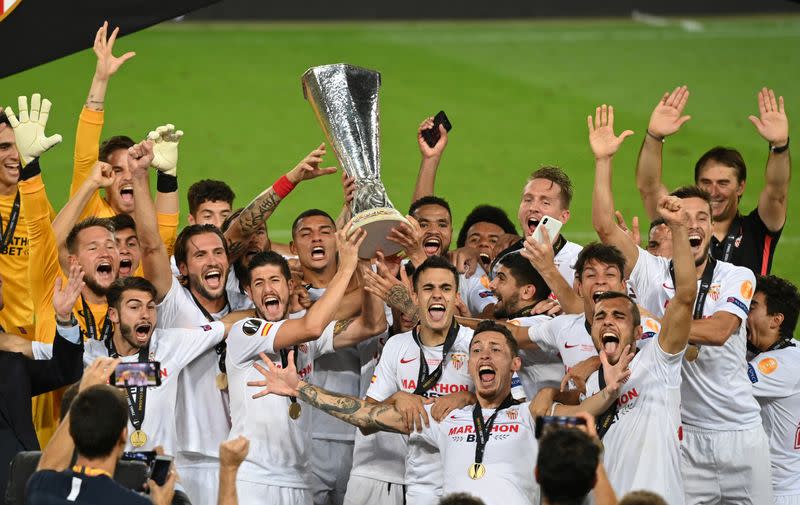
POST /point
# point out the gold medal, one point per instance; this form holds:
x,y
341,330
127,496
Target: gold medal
x,y
294,410
691,352
138,438
476,471
222,381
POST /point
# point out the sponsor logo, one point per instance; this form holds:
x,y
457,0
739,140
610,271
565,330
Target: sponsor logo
x,y
680,433
457,360
652,325
437,390
648,334
496,428
667,286
206,327
566,345
403,361
485,281
739,304
373,379
751,373
746,290
22,330
485,294
737,242
251,326
627,396
768,365
516,381
164,373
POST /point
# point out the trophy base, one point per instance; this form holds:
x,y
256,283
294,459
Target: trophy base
x,y
378,222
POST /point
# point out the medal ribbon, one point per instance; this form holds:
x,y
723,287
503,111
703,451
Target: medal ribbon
x,y
222,348
705,284
136,408
483,429
91,324
425,381
734,232
7,234
285,362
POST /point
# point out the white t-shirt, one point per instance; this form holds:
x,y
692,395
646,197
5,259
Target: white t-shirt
x,y
174,349
475,292
540,368
716,394
776,386
566,336
509,456
398,370
279,445
379,456
643,446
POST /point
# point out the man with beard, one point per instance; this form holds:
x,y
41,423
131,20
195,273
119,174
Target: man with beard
x,y
278,431
748,240
773,372
486,448
482,229
725,450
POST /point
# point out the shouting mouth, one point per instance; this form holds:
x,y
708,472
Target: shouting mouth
x,y
486,374
610,342
431,245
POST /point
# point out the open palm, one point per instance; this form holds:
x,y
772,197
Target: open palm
x,y
772,124
601,133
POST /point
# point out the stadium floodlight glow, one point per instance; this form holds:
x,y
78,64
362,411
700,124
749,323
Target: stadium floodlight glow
x,y
345,100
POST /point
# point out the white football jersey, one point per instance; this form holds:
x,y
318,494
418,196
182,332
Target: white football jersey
x,y
566,336
509,456
279,445
174,349
475,292
776,386
716,394
565,260
643,445
540,368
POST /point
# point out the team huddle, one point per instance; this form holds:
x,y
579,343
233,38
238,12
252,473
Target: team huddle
x,y
301,373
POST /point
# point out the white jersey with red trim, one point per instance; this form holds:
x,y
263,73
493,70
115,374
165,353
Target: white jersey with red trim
x,y
509,456
279,445
565,336
716,394
776,386
540,368
398,370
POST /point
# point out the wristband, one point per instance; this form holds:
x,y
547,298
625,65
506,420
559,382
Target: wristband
x,y
166,183
779,149
72,321
282,186
30,170
660,139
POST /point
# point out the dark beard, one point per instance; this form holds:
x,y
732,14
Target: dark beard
x,y
196,282
94,287
700,261
127,335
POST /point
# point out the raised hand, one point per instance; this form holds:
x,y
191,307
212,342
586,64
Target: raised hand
x,y
107,63
277,380
381,283
102,174
232,452
580,373
409,237
772,124
309,167
616,375
98,372
65,296
348,240
540,254
667,117
671,209
349,187
426,150
632,232
601,133
29,128
140,157
165,148
465,259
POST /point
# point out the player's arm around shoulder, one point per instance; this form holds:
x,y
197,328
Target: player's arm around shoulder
x,y
774,373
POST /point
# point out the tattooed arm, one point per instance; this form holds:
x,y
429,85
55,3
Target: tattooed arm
x,y
371,322
255,215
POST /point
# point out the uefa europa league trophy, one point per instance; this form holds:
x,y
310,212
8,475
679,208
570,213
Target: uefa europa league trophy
x,y
345,100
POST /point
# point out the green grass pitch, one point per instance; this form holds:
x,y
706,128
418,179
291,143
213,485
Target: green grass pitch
x,y
517,93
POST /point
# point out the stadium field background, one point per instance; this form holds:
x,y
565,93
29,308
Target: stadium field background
x,y
517,93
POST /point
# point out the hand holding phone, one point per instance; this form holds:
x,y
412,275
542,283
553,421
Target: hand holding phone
x,y
161,467
147,374
545,424
551,224
432,135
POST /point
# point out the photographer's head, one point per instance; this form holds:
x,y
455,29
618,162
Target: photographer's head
x,y
96,436
566,467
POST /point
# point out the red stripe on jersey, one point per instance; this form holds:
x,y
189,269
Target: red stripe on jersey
x,y
765,254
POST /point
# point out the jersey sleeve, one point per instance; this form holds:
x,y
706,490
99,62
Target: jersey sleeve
x,y
324,344
665,366
172,305
475,295
545,335
168,230
87,146
185,345
384,381
773,376
737,292
41,350
429,434
249,337
646,278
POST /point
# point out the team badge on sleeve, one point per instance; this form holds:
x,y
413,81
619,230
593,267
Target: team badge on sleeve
x,y
751,373
768,365
746,290
251,326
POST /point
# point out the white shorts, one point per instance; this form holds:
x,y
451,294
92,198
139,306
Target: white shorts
x,y
726,467
363,490
788,500
251,493
423,498
331,461
200,481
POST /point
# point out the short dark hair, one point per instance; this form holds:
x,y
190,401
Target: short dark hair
x,y
724,156
181,249
66,401
781,297
431,262
603,253
208,190
120,286
567,465
460,499
123,222
4,119
97,417
112,144
610,295
556,176
430,200
89,222
524,273
492,325
265,258
309,213
693,192
485,214
642,497
657,222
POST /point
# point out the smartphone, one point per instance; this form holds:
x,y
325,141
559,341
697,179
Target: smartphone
x,y
552,225
160,471
146,374
146,457
431,135
546,423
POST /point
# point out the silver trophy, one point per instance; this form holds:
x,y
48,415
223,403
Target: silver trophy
x,y
345,100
